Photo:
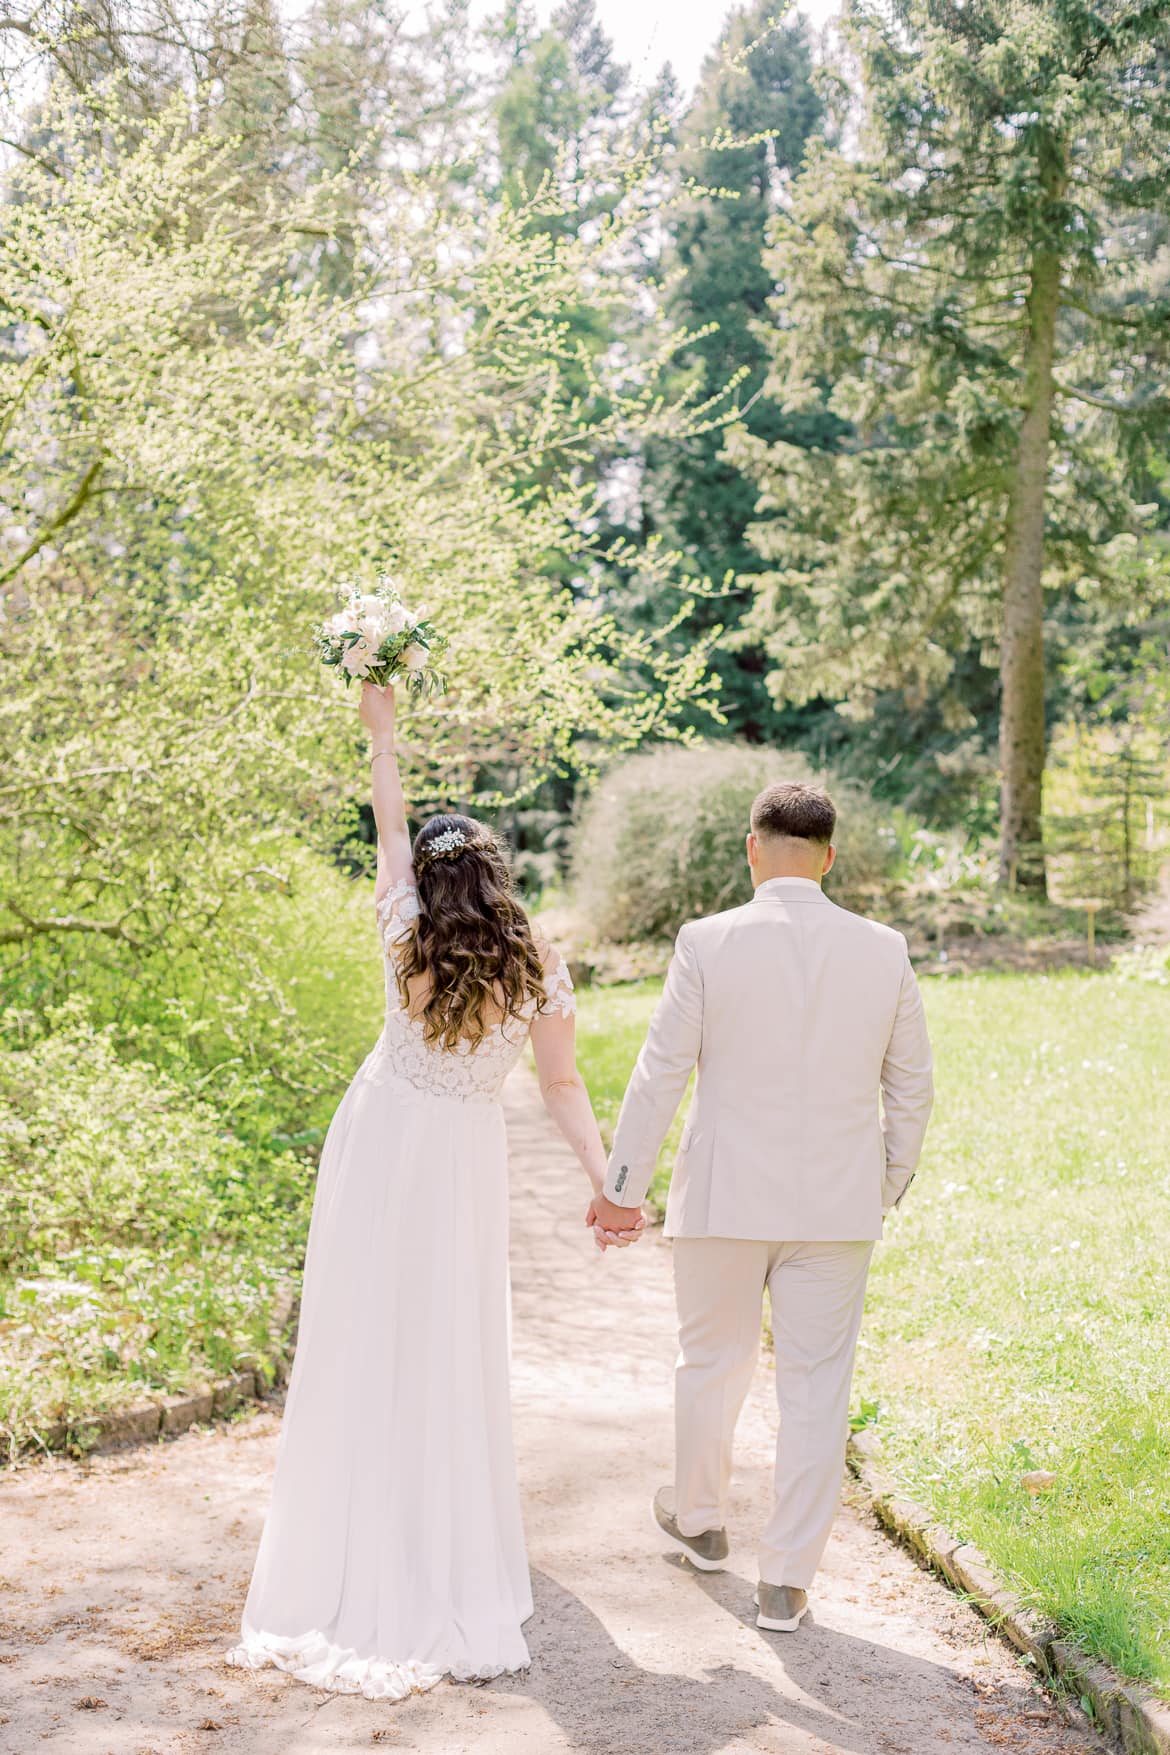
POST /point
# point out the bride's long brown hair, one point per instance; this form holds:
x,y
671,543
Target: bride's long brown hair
x,y
472,939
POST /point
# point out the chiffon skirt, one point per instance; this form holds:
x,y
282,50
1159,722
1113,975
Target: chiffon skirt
x,y
393,1553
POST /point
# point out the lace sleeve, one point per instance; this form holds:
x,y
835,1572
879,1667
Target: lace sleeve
x,y
560,998
396,911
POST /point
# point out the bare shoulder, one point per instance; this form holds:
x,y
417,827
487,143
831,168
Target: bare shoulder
x,y
548,953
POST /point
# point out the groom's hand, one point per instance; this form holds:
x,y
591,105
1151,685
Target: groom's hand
x,y
613,1225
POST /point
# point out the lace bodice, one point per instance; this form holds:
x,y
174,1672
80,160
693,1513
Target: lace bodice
x,y
473,1074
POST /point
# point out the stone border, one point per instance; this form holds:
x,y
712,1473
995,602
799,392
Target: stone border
x,y
166,1416
1136,1722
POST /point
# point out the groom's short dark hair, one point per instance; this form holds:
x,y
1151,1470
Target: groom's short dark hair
x,y
802,813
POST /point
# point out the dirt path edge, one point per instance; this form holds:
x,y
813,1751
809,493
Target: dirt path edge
x,y
1135,1722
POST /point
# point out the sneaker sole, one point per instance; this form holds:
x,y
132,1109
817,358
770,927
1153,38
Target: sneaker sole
x,y
679,1547
779,1626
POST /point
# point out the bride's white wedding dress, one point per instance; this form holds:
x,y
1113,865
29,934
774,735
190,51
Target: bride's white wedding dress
x,y
393,1553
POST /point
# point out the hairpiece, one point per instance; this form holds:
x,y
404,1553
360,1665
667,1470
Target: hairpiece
x,y
446,842
449,845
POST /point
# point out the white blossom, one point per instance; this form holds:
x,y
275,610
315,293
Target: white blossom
x,y
358,657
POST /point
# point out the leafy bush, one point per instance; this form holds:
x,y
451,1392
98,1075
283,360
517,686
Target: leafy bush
x,y
142,1244
157,1137
661,838
264,1006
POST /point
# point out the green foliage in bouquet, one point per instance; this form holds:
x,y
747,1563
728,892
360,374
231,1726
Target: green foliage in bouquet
x,y
376,638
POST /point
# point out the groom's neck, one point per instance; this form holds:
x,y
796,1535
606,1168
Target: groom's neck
x,y
762,873
788,858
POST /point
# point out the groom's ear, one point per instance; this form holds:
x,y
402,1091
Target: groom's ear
x,y
750,848
830,859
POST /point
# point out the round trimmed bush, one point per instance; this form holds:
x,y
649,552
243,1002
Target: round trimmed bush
x,y
660,839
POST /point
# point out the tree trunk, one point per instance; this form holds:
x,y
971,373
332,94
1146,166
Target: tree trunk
x,y
1021,726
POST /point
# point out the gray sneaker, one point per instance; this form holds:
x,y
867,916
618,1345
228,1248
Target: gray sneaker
x,y
707,1552
781,1607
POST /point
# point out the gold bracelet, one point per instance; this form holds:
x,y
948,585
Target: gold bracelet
x,y
378,753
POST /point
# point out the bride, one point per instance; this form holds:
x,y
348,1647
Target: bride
x,y
393,1552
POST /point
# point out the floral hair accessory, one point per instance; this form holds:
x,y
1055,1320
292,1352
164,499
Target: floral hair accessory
x,y
449,845
447,841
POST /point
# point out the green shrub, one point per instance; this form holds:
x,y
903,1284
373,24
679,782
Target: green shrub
x,y
661,838
142,1243
264,1007
157,1137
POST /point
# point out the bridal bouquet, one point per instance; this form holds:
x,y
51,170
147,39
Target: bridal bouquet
x,y
376,638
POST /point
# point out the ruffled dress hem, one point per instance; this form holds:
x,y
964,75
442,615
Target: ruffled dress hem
x,y
313,1659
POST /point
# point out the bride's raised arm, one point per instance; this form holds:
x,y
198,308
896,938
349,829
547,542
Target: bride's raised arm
x,y
377,710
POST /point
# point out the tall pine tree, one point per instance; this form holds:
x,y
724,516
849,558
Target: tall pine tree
x,y
973,283
755,89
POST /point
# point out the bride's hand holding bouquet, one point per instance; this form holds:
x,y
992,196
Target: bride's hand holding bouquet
x,y
377,712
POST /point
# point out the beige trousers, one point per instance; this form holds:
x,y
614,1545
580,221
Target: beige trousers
x,y
818,1293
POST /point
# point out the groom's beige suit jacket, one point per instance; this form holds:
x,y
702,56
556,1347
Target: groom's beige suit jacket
x,y
814,1074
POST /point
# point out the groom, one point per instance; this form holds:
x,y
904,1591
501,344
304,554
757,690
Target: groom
x,y
797,1014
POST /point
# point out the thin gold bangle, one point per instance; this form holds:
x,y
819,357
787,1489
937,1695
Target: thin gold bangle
x,y
378,753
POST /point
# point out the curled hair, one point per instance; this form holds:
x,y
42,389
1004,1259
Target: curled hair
x,y
472,940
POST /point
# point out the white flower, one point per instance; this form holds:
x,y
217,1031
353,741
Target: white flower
x,y
358,657
370,626
374,629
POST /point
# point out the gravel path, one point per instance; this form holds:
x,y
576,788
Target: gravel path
x,y
123,1576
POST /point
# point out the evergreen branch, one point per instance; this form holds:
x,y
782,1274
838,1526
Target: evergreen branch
x,y
1144,405
1152,317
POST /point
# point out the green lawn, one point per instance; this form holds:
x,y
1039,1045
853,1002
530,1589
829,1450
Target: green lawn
x,y
1019,1308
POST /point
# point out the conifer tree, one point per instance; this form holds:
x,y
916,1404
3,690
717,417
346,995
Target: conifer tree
x,y
972,279
745,130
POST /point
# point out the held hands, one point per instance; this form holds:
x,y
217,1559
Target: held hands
x,y
614,1227
376,710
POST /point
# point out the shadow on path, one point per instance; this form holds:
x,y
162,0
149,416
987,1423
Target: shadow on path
x,y
828,1685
